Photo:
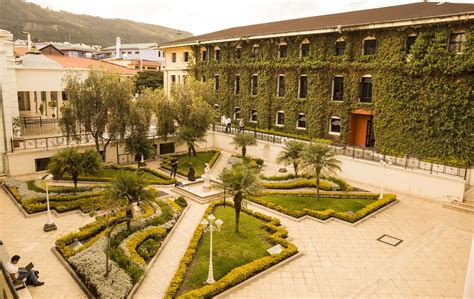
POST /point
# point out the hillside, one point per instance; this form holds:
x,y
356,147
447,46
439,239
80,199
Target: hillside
x,y
44,24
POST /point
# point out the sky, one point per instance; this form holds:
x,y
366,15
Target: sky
x,y
203,16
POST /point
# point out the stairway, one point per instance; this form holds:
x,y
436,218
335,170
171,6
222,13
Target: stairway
x,y
465,206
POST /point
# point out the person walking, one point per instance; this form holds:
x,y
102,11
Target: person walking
x,y
241,125
228,123
174,167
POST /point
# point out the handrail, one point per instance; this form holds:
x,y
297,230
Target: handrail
x,y
9,282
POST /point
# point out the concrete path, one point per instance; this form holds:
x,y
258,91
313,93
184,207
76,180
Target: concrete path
x,y
162,271
341,260
25,237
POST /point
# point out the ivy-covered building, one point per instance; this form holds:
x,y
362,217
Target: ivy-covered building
x,y
397,78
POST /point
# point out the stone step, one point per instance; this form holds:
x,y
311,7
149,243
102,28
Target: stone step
x,y
460,206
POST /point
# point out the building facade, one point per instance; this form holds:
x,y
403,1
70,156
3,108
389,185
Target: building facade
x,y
145,51
396,78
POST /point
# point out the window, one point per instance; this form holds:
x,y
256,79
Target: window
x,y
159,53
366,90
253,116
255,52
203,78
254,85
301,121
303,87
282,51
281,86
64,96
43,96
370,45
237,113
335,126
340,48
457,42
338,89
238,53
409,42
24,101
42,164
304,50
217,54
280,119
203,55
173,79
136,52
173,57
129,52
237,85
216,83
186,56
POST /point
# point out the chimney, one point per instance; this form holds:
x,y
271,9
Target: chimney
x,y
117,47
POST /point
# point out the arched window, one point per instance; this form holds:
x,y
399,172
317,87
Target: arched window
x,y
304,48
238,52
366,89
335,125
237,113
369,46
255,51
217,53
301,121
340,46
410,40
203,54
282,50
253,115
280,118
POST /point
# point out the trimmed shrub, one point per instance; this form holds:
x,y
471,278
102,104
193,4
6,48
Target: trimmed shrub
x,y
181,202
137,238
297,183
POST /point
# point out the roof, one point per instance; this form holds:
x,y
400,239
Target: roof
x,y
39,61
20,51
419,10
74,62
132,46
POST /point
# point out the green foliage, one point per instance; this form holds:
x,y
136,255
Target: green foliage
x,y
198,162
181,201
243,140
420,100
149,79
291,154
148,248
298,183
17,16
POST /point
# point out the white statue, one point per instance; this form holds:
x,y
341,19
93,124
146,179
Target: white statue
x,y
207,178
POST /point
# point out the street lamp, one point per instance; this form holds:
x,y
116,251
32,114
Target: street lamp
x,y
49,226
384,164
210,224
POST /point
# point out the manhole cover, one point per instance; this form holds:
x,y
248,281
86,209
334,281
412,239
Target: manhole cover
x,y
390,240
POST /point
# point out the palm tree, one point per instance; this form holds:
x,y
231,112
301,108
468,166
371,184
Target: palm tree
x,y
138,145
239,180
189,136
74,163
291,154
318,157
129,187
243,140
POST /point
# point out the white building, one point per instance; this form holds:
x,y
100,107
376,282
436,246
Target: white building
x,y
145,51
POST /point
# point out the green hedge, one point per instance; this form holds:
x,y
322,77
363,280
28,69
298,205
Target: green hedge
x,y
297,183
343,185
238,274
326,214
64,203
57,189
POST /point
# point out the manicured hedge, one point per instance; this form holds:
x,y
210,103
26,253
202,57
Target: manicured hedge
x,y
326,214
58,189
238,274
343,185
297,183
138,238
64,203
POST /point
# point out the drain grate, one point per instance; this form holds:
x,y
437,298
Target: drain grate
x,y
390,240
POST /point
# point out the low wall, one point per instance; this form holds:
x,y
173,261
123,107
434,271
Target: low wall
x,y
397,179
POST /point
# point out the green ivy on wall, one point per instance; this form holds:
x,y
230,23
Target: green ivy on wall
x,y
422,102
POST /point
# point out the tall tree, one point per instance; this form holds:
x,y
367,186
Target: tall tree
x,y
70,161
98,106
243,140
317,158
130,188
148,79
163,110
291,154
239,180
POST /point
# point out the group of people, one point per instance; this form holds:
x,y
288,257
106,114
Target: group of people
x,y
227,122
174,170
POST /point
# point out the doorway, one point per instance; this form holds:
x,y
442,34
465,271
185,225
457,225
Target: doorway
x,y
361,131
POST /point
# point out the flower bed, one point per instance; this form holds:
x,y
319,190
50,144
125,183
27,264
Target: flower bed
x,y
343,185
327,213
198,162
239,274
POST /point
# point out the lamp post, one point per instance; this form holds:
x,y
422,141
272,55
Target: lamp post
x,y
49,225
210,224
384,164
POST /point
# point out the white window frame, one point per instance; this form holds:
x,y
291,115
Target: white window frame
x,y
235,53
449,41
279,45
253,47
235,112
333,86
360,82
330,123
363,47
251,115
215,53
278,86
305,122
276,119
304,42
251,86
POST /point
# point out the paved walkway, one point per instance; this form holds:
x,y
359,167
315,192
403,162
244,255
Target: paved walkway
x,y
347,261
158,279
25,237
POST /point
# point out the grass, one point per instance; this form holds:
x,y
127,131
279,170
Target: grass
x,y
184,161
113,173
230,250
298,203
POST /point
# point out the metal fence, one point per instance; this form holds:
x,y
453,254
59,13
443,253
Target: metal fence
x,y
39,125
406,162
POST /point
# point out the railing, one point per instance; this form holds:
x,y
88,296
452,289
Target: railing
x,y
49,142
370,154
39,125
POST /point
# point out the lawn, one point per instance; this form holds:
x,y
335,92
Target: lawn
x,y
198,162
113,173
109,173
230,250
298,203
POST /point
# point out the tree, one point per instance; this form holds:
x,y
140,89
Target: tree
x,y
190,137
164,112
243,140
317,158
291,154
129,187
74,163
98,106
239,180
149,79
139,145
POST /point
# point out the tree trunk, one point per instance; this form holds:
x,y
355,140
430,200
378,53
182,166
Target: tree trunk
x,y
129,215
75,178
318,172
238,207
107,254
295,166
244,151
193,148
97,145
